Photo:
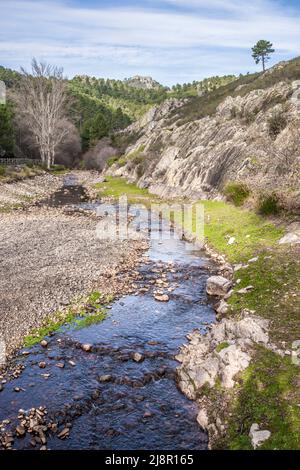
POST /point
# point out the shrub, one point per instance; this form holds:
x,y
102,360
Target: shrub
x,y
112,160
57,168
2,170
277,123
236,192
268,204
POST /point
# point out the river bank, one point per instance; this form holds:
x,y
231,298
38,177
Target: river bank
x,y
49,257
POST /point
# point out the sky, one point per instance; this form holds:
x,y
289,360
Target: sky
x,y
174,41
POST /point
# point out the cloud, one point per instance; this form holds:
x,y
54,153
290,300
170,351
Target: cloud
x,y
159,41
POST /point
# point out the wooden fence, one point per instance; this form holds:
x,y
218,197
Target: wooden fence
x,y
19,161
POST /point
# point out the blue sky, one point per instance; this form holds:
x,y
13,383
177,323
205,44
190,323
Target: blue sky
x,y
174,41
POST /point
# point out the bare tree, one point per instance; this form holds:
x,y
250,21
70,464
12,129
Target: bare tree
x,y
42,107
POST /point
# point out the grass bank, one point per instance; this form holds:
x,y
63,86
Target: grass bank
x,y
114,187
10,174
268,393
80,314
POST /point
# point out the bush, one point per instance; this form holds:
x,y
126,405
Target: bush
x,y
2,170
277,123
57,168
112,160
236,192
268,204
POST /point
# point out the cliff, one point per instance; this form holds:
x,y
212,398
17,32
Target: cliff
x,y
247,131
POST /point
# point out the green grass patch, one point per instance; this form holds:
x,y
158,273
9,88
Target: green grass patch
x,y
268,205
269,396
80,314
236,192
117,187
252,233
222,346
58,169
276,280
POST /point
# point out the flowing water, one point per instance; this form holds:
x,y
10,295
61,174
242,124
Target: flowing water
x,y
138,406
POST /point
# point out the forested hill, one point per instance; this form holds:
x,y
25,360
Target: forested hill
x,y
102,106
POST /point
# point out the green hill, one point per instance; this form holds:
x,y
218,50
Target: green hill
x,y
100,107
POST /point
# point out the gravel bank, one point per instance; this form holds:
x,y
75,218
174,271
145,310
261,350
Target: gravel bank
x,y
23,193
47,258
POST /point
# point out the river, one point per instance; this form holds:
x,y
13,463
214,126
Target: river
x,y
105,398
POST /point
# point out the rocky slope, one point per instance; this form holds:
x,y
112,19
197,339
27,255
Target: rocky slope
x,y
249,134
146,83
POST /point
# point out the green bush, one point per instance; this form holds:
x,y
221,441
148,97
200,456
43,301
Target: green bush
x,y
112,160
277,123
2,170
236,192
57,169
268,204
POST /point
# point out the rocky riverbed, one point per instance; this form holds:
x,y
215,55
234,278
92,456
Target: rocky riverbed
x,y
116,383
48,256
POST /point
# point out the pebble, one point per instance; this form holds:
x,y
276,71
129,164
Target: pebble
x,y
105,378
44,343
42,365
86,347
137,357
20,431
64,433
162,297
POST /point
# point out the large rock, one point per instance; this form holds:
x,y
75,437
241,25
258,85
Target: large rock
x,y
218,285
221,354
234,360
258,437
291,238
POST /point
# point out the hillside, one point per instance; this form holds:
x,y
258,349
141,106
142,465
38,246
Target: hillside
x,y
245,132
100,107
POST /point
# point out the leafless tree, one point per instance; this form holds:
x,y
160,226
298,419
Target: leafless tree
x,y
42,104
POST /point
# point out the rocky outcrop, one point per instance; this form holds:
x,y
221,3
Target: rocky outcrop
x,y
146,83
197,158
211,364
221,354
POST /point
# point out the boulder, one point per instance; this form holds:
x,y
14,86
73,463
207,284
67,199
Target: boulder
x,y
258,437
234,360
218,285
291,238
222,308
202,419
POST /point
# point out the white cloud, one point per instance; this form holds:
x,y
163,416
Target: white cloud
x,y
155,41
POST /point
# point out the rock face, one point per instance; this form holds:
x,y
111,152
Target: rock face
x,y
196,157
218,285
146,83
221,354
